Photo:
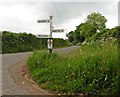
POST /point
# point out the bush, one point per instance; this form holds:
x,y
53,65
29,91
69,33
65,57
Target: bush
x,y
22,42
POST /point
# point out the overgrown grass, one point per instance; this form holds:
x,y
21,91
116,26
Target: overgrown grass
x,y
94,69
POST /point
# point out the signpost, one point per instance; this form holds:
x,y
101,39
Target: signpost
x,y
43,36
50,39
58,30
50,44
43,21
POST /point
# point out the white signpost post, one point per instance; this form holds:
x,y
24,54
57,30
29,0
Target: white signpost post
x,y
50,43
50,39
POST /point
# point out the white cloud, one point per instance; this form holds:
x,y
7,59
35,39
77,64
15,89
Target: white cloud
x,y
21,18
112,21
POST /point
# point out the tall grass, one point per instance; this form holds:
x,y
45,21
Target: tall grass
x,y
93,69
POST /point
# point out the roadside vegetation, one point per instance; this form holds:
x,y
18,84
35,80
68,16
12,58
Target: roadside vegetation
x,y
93,69
22,42
93,30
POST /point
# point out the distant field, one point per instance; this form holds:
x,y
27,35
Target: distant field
x,y
93,69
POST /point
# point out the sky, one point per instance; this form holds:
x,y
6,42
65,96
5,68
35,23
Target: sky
x,y
22,16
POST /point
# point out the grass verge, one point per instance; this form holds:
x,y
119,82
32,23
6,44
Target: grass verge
x,y
93,69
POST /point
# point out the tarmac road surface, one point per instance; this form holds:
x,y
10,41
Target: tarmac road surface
x,y
9,87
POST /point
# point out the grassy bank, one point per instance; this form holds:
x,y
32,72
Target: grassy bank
x,y
93,69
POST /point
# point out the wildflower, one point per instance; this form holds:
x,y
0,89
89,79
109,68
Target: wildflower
x,y
106,77
38,62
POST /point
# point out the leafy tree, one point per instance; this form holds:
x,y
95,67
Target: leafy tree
x,y
85,30
78,37
115,32
93,27
97,21
71,36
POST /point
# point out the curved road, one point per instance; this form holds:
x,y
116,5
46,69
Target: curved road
x,y
9,87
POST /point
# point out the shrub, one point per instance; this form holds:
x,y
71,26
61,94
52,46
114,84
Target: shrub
x,y
22,42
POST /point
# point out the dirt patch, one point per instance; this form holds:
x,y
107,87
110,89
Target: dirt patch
x,y
20,74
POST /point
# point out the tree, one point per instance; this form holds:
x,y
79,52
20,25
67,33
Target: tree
x,y
115,32
97,21
93,26
86,30
78,37
71,36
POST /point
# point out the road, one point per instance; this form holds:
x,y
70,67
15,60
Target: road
x,y
9,87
